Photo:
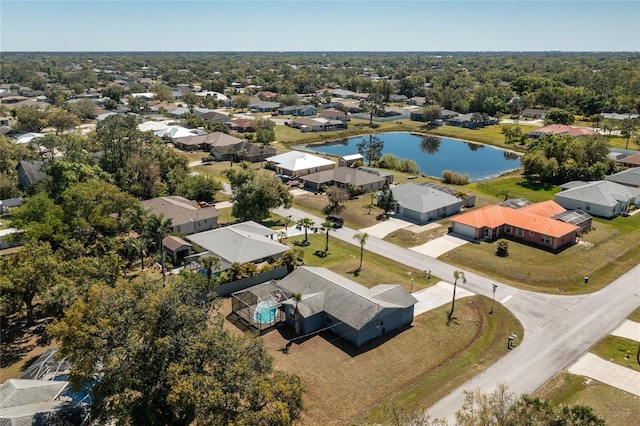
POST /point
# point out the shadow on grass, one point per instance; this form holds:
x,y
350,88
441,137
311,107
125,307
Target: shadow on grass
x,y
301,243
535,185
321,254
17,339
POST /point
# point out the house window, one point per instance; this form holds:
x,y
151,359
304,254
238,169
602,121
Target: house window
x,y
519,232
545,239
291,314
507,229
531,233
587,206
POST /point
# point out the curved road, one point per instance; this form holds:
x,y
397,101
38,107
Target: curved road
x,y
558,328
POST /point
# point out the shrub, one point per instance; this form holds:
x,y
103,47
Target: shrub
x,y
454,178
502,249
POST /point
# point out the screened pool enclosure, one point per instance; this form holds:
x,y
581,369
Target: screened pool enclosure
x,y
260,306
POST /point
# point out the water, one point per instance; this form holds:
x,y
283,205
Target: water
x,y
83,395
265,312
434,155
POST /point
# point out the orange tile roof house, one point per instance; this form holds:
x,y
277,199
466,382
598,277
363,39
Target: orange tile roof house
x,y
560,129
531,224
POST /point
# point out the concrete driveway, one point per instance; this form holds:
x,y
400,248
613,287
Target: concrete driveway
x,y
593,366
440,246
384,228
438,295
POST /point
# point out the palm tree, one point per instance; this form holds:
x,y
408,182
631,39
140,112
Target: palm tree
x,y
158,228
327,226
305,223
139,244
210,263
456,275
296,312
230,152
362,240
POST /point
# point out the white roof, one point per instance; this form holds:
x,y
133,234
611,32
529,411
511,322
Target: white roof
x,y
175,132
9,231
286,157
307,162
149,95
352,157
152,126
218,95
28,137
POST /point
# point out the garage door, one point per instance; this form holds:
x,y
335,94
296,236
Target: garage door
x,y
465,230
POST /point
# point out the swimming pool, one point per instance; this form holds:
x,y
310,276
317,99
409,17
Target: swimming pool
x,y
265,312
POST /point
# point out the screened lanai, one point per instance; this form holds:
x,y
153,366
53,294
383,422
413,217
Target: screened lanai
x,y
260,306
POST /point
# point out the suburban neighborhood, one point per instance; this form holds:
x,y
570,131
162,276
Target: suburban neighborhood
x,y
236,238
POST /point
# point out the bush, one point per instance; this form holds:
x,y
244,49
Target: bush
x,y
454,178
502,249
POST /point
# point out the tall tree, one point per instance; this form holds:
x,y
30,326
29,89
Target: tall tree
x,y
61,120
255,194
158,227
210,263
305,223
373,105
241,102
297,297
31,272
327,226
361,237
371,149
457,275
169,360
627,128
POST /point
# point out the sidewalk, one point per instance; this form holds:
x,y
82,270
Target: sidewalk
x,y
438,295
607,372
628,329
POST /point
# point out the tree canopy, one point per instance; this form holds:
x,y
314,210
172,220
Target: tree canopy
x,y
154,354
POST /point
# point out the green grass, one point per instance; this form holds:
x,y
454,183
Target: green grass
x,y
617,407
614,250
450,369
344,259
616,349
517,187
635,315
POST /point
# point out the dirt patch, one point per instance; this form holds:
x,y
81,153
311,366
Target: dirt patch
x,y
21,345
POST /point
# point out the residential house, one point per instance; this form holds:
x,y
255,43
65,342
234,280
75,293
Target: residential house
x,y
178,112
317,124
246,242
8,237
27,137
176,248
256,105
242,125
215,117
344,177
175,132
9,203
602,198
629,160
628,177
387,175
348,160
397,98
534,113
471,121
352,311
243,151
533,224
560,129
205,142
187,216
4,121
298,110
344,94
296,163
417,100
423,203
266,95
30,172
618,117
334,114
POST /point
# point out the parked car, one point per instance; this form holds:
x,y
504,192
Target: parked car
x,y
337,221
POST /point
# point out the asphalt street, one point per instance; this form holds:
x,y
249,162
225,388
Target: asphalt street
x,y
558,329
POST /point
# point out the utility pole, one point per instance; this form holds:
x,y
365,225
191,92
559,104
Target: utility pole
x,y
493,299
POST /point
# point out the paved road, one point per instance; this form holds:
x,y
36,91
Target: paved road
x,y
558,328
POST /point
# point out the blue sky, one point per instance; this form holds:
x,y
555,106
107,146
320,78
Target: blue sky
x,y
326,25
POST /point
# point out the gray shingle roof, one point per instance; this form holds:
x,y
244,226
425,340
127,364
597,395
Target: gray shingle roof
x,y
630,177
179,209
343,299
344,175
17,392
421,198
244,242
603,193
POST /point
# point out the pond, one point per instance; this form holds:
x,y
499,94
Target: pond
x,y
434,154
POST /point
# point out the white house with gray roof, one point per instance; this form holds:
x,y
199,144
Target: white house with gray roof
x,y
600,198
246,242
628,177
354,312
421,203
187,216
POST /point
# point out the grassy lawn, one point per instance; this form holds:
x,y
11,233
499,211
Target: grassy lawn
x,y
491,135
516,186
344,259
616,349
607,251
617,407
411,369
355,214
